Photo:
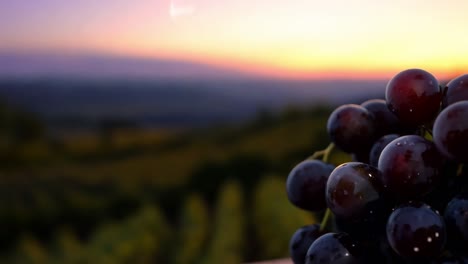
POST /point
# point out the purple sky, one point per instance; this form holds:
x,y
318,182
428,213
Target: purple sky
x,y
298,38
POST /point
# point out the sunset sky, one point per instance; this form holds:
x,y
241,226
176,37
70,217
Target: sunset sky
x,y
294,38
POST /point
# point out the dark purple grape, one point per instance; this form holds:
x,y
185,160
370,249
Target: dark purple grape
x,y
334,248
351,128
306,183
414,96
451,131
301,241
385,122
415,231
456,219
378,147
411,167
353,191
456,90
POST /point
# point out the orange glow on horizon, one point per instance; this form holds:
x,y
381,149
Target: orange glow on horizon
x,y
288,68
296,39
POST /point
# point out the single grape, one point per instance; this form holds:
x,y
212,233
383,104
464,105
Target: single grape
x,y
411,167
414,96
306,183
353,191
351,128
456,219
334,248
415,231
456,90
378,147
450,131
385,121
301,241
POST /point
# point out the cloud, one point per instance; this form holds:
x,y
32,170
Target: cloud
x,y
179,9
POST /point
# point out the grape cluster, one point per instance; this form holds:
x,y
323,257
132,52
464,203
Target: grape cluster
x,y
404,197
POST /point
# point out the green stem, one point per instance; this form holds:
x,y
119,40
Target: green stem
x,y
426,133
316,155
325,218
459,169
325,155
327,152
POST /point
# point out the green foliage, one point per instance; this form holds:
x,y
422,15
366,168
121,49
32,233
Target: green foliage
x,y
193,230
142,238
275,218
95,192
66,248
19,126
228,232
21,137
30,251
244,168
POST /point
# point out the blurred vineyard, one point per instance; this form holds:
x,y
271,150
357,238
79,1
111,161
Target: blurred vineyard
x,y
151,196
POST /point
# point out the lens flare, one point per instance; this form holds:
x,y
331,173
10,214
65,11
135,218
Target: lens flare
x,y
177,9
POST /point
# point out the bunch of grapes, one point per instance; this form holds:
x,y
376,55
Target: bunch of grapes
x,y
404,197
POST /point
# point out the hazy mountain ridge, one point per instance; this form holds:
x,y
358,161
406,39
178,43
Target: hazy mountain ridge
x,y
175,102
34,64
88,88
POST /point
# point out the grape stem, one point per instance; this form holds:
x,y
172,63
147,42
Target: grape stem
x,y
327,151
426,133
325,218
316,154
325,154
459,169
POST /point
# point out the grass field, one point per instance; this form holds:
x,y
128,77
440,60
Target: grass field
x,y
94,197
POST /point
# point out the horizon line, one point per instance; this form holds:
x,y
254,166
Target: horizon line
x,y
238,70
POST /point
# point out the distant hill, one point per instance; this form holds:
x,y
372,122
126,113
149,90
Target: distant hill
x,y
83,90
22,65
168,103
